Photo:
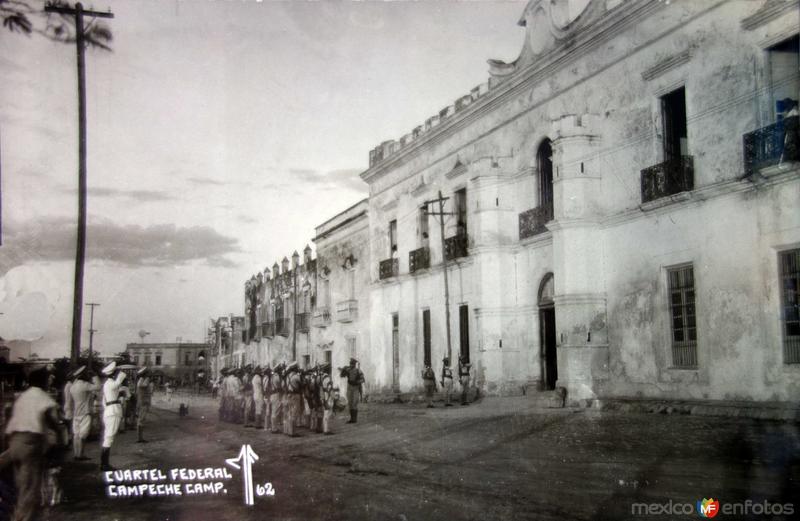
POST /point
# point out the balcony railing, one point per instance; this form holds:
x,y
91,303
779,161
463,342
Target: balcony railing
x,y
770,145
302,321
388,268
419,259
347,310
532,222
282,326
268,329
321,317
455,247
667,178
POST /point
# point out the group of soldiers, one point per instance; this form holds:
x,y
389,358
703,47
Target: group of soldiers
x,y
80,391
39,429
284,397
446,381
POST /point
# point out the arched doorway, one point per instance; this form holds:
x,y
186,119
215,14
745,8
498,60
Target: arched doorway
x,y
547,332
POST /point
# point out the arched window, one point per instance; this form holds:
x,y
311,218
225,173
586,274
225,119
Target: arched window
x,y
544,160
546,291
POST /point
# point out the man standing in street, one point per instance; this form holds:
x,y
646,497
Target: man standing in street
x,y
447,382
276,398
144,397
258,397
66,398
293,399
464,368
266,394
33,413
247,396
355,391
429,379
82,391
112,411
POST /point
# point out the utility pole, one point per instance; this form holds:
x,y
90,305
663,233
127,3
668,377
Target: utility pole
x,y
92,331
441,213
77,304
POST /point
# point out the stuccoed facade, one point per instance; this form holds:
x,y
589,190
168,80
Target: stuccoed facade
x,y
340,321
651,259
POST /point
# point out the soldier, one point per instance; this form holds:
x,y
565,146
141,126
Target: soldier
x,y
355,391
266,384
237,396
464,369
223,399
247,395
82,392
67,400
112,411
330,403
447,382
276,398
293,399
314,397
144,397
258,397
429,379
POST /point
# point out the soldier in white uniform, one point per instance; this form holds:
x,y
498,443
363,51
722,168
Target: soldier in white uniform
x,y
82,392
258,397
112,411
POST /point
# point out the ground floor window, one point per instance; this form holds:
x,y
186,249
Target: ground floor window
x,y
682,310
790,285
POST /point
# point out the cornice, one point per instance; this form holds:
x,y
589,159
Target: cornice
x,y
666,64
771,10
605,28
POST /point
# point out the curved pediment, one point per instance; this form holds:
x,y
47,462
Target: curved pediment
x,y
548,24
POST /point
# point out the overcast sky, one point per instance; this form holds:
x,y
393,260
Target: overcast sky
x,y
220,134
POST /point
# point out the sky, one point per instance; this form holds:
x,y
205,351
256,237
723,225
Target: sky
x,y
220,133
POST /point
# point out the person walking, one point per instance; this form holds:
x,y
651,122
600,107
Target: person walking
x,y
34,413
355,389
112,411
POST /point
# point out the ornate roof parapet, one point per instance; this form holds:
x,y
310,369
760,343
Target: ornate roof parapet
x,y
390,147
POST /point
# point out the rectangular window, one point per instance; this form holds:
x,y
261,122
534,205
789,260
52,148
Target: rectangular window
x,y
460,209
393,238
673,112
423,226
306,361
188,359
146,359
790,285
136,360
682,312
329,359
395,352
426,335
158,360
351,346
463,330
784,69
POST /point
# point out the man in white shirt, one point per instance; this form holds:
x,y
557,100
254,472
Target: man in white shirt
x,y
112,411
33,413
258,397
144,397
66,398
82,392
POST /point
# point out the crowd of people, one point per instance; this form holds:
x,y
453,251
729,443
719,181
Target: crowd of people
x,y
283,397
39,430
446,381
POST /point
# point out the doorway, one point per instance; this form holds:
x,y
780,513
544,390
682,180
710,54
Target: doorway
x,y
395,353
547,329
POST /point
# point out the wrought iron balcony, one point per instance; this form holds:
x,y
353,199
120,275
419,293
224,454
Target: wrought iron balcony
x,y
282,326
321,317
388,268
668,178
268,329
302,321
347,310
455,247
419,259
770,145
532,222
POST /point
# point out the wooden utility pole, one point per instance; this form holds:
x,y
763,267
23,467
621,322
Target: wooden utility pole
x,y
80,254
92,330
441,213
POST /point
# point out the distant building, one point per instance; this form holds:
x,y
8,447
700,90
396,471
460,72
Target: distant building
x,y
181,361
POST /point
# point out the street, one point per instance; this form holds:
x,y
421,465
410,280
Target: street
x,y
498,459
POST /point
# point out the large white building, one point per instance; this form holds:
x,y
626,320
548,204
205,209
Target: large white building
x,y
621,211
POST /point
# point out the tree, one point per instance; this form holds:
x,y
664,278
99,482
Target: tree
x,y
18,17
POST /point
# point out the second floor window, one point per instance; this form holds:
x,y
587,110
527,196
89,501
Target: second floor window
x,y
673,114
544,162
393,239
423,226
460,209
